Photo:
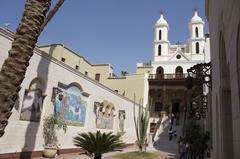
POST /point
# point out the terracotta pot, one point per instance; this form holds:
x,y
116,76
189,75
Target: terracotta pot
x,y
50,152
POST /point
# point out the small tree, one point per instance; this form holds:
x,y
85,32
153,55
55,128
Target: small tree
x,y
50,124
98,143
124,73
141,125
197,138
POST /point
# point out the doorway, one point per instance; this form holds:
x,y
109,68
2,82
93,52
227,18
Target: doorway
x,y
175,108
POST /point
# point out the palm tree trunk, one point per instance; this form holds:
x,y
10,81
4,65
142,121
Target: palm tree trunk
x,y
14,68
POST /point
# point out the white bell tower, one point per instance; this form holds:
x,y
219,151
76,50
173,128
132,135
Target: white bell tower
x,y
197,39
161,43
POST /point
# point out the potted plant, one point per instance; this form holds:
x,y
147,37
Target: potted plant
x,y
52,123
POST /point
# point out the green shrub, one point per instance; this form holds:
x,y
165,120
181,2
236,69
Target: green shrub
x,y
98,143
52,123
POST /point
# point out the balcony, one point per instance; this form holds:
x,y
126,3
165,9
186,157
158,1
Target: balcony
x,y
168,76
167,79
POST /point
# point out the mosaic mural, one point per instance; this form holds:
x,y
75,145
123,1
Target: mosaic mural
x,y
71,104
32,102
121,117
104,114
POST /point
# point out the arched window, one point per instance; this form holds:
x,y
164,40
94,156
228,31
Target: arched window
x,y
197,47
160,35
179,72
160,72
159,50
196,32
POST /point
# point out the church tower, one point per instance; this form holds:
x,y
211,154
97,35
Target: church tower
x,y
197,39
161,43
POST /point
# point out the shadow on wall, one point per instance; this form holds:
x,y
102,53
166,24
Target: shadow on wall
x,y
32,106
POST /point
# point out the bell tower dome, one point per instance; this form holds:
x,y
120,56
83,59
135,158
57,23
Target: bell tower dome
x,y
161,43
197,39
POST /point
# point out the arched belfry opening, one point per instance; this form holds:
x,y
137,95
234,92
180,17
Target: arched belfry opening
x,y
159,50
225,102
197,48
160,72
196,32
160,34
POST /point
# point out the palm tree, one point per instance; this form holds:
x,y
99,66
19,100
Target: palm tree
x,y
98,143
14,68
124,73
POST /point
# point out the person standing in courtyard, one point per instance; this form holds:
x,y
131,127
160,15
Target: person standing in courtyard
x,y
181,148
170,132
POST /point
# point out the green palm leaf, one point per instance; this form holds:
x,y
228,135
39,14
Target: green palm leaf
x,y
98,143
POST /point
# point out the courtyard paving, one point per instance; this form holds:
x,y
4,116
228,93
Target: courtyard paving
x,y
162,155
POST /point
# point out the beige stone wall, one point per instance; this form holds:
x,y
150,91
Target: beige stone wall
x,y
27,136
224,25
129,85
73,59
142,70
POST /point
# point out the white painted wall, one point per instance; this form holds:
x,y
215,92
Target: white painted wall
x,y
223,18
51,72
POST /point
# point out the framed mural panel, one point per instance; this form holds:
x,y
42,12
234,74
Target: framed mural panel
x,y
71,104
32,102
104,114
121,117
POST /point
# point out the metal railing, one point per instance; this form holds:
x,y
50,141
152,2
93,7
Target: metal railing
x,y
168,76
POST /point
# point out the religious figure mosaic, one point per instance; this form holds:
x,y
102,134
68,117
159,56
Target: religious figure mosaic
x,y
104,114
71,104
121,117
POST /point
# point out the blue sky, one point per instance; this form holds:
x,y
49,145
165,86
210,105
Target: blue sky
x,y
119,32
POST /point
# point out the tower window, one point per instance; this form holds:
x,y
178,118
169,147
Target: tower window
x,y
196,32
86,73
197,47
159,50
76,67
160,35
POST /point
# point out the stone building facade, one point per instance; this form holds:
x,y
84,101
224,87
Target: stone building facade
x,y
224,26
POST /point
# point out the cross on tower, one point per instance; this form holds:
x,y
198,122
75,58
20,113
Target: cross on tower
x,y
178,45
161,12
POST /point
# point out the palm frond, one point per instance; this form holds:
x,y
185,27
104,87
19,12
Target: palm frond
x,y
98,143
